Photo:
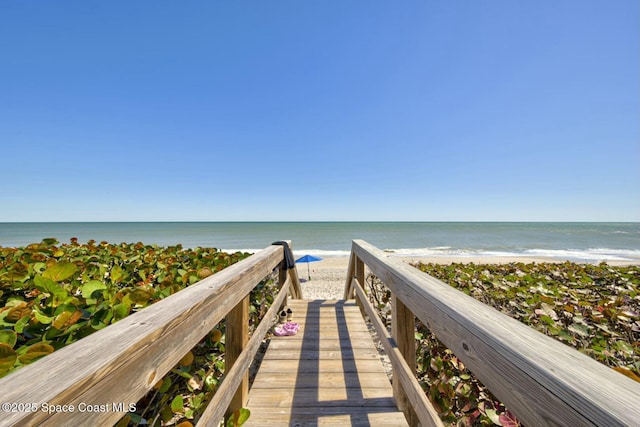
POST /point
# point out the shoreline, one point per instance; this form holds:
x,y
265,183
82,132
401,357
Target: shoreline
x,y
328,276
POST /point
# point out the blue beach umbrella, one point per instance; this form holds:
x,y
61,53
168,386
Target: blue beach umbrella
x,y
308,259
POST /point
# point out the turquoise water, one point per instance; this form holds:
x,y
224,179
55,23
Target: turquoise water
x,y
577,241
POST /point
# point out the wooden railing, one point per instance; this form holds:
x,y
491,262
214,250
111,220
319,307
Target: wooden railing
x,y
542,381
93,381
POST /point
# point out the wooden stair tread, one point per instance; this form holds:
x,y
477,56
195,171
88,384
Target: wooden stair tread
x,y
330,373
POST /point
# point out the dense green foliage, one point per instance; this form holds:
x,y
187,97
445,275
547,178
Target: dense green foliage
x,y
593,308
52,295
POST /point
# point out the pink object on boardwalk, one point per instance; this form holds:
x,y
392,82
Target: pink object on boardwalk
x,y
289,328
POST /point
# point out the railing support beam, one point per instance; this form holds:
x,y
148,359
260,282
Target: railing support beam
x,y
282,278
403,332
349,292
424,413
237,336
359,275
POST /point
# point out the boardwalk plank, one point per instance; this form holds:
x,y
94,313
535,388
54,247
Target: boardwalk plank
x,y
304,354
321,366
330,373
326,380
309,417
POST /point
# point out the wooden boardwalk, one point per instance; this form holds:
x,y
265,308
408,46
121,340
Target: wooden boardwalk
x,y
328,374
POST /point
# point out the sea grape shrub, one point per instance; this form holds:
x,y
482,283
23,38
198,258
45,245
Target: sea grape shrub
x,y
593,308
52,295
458,396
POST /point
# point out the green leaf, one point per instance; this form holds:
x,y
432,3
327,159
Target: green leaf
x,y
196,401
18,274
210,382
120,311
580,329
60,271
177,405
493,416
46,284
66,318
139,296
624,347
20,324
16,313
182,373
42,318
35,352
90,287
8,358
548,320
9,337
117,274
166,383
239,417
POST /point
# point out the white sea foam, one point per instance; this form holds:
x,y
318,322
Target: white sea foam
x,y
584,255
434,251
300,252
589,255
322,253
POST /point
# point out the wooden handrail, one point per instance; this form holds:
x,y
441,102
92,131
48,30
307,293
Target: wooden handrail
x,y
542,381
406,374
116,366
233,378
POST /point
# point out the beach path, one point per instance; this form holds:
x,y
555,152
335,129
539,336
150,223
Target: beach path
x,y
329,373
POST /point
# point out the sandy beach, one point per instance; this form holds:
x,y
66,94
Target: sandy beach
x,y
329,275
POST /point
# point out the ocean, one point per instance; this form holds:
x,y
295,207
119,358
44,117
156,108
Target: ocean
x,y
580,241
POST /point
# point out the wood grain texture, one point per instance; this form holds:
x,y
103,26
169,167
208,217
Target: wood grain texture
x,y
332,417
237,337
123,361
543,381
233,377
316,379
348,290
421,408
403,326
296,289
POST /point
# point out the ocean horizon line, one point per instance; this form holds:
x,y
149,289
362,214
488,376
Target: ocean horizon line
x,y
328,221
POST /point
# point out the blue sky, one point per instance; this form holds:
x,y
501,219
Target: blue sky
x,y
320,110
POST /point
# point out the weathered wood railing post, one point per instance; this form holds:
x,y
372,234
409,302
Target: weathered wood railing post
x,y
403,323
359,274
349,292
237,336
282,278
292,273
